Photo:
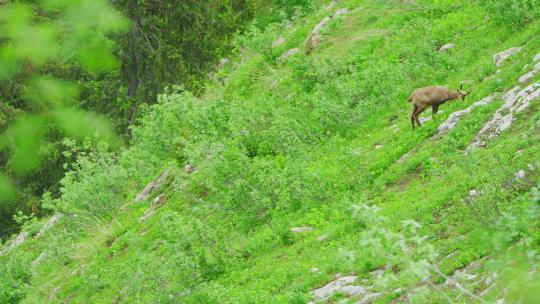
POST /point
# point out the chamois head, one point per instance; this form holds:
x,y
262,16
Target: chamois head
x,y
461,93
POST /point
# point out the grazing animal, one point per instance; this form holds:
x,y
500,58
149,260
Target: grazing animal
x,y
434,97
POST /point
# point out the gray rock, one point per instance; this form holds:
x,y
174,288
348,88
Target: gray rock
x,y
189,169
352,290
152,187
317,29
148,214
377,273
536,58
38,260
223,62
501,57
490,279
521,174
505,123
447,47
340,12
278,42
341,285
301,229
516,101
53,294
322,238
530,75
486,291
330,6
313,42
369,298
19,240
288,54
473,194
156,203
451,255
453,119
405,156
52,221
425,119
527,77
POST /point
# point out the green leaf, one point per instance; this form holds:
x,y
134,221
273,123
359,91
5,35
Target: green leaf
x,y
7,190
97,56
84,125
25,138
37,43
13,17
25,39
47,91
10,63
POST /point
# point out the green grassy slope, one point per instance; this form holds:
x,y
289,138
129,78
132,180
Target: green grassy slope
x,y
300,143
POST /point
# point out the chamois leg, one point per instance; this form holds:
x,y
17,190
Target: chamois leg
x,y
415,108
418,112
435,109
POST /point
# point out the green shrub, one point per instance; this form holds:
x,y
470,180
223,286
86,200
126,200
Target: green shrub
x,y
513,12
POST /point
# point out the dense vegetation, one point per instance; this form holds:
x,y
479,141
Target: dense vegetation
x,y
169,44
310,141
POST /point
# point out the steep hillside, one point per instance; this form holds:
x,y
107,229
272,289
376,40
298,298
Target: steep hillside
x,y
297,176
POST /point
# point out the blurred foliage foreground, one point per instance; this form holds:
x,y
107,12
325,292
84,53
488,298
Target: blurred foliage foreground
x,y
74,31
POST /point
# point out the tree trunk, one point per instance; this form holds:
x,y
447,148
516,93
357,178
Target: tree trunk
x,y
133,67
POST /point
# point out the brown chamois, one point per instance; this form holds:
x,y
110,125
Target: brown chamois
x,y
434,97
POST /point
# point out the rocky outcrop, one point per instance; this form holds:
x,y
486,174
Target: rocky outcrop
x,y
278,42
447,47
38,260
521,174
23,236
190,169
54,293
455,117
52,221
321,25
529,76
159,201
301,229
340,12
288,54
19,240
153,187
315,37
346,287
223,62
501,57
516,100
330,6
405,156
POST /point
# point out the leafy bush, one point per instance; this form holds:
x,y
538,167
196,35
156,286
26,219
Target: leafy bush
x,y
513,12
